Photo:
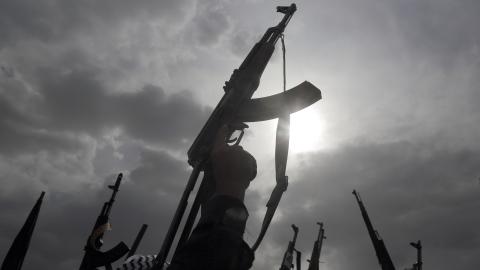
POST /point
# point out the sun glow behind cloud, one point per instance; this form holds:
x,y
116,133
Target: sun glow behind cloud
x,y
307,130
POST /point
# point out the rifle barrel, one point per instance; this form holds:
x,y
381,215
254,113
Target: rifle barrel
x,y
380,249
137,241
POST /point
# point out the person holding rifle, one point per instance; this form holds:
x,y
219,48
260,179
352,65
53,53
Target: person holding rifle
x,y
217,241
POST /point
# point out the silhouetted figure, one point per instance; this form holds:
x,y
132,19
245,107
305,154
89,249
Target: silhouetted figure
x,y
217,241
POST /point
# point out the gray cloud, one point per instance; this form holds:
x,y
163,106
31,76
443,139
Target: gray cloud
x,y
78,102
66,218
88,88
58,113
209,23
54,20
411,190
159,169
443,29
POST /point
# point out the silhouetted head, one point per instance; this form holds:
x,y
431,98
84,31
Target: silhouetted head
x,y
234,163
233,167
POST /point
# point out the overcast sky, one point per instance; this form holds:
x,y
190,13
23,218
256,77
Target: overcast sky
x,y
89,89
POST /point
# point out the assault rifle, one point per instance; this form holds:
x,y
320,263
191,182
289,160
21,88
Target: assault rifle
x,y
317,248
93,257
418,246
234,109
380,249
287,261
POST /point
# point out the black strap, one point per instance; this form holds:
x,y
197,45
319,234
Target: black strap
x,y
281,155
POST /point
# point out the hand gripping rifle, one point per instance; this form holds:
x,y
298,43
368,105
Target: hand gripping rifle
x,y
93,257
236,107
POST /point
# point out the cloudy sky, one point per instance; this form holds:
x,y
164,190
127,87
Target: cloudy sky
x,y
89,89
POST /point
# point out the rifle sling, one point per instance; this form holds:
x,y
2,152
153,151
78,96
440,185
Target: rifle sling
x,y
281,156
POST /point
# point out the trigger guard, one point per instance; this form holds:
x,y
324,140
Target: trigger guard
x,y
236,140
231,140
239,137
240,126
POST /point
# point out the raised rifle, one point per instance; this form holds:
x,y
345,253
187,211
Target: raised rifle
x,y
378,244
234,109
418,246
16,253
93,257
137,241
314,261
287,261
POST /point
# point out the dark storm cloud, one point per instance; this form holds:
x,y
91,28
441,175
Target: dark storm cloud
x,y
159,170
411,190
76,105
55,90
53,20
20,130
66,219
8,71
74,91
154,119
53,95
78,102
